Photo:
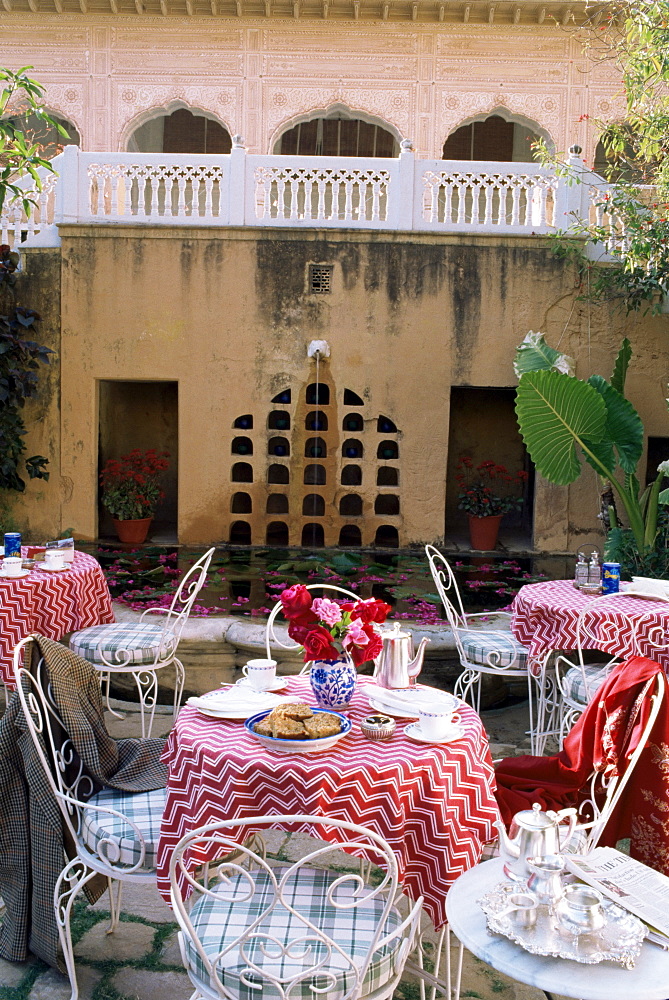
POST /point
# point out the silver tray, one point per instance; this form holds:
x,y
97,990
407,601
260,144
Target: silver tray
x,y
619,940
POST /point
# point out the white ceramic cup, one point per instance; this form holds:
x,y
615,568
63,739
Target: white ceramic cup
x,y
261,673
11,566
435,725
54,558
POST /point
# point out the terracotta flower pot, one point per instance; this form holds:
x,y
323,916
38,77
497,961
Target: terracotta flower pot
x,y
134,530
483,531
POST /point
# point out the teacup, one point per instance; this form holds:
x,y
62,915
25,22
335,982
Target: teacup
x,y
261,674
54,559
12,566
435,725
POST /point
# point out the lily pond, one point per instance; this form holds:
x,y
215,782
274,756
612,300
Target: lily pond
x,y
247,582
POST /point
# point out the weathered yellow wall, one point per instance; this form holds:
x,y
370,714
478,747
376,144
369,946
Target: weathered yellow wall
x,y
228,316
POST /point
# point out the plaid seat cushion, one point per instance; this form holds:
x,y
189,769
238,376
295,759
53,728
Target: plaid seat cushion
x,y
144,809
580,688
503,649
142,642
219,919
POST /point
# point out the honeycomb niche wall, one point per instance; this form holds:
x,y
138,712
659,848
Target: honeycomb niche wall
x,y
319,469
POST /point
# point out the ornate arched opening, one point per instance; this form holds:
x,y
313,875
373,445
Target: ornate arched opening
x,y
178,129
498,136
337,131
47,137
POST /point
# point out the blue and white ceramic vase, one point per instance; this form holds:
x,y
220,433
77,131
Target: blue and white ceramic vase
x,y
333,682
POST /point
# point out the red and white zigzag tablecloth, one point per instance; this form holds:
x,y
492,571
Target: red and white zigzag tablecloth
x,y
545,617
52,604
433,803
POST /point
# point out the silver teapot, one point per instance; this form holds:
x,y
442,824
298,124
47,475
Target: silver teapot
x,y
397,666
533,834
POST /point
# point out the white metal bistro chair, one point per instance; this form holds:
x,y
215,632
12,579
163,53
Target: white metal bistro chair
x,y
289,931
114,833
144,647
271,636
495,652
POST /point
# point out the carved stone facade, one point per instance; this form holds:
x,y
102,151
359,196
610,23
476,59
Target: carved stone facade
x,y
108,74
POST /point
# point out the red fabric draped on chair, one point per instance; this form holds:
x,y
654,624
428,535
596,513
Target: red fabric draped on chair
x,y
603,739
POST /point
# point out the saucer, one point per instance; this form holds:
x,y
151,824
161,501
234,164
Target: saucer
x,y
15,576
277,684
413,732
52,569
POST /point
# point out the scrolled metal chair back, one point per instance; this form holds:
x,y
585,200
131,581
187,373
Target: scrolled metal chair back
x,y
261,960
447,587
70,782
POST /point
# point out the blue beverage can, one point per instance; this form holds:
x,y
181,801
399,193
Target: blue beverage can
x,y
13,543
610,578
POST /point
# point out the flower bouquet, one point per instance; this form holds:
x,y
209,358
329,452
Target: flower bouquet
x,y
337,637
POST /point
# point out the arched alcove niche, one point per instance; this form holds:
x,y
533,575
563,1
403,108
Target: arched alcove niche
x,y
336,131
176,128
615,168
498,135
47,137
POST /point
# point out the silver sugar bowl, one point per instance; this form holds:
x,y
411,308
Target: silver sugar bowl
x,y
378,727
580,910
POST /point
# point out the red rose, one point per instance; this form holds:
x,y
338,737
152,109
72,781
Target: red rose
x,y
362,654
371,610
318,645
296,601
298,631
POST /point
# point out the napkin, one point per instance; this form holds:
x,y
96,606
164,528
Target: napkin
x,y
239,700
396,701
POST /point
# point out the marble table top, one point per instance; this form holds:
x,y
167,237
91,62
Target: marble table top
x,y
648,980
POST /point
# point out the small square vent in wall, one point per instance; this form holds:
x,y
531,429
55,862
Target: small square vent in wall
x,y
320,278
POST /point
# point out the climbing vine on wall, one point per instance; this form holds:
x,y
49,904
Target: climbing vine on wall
x,y
20,360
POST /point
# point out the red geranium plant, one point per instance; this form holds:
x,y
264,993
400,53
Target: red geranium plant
x,y
131,484
327,628
486,489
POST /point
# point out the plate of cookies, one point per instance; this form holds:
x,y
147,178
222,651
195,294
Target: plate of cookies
x,y
295,727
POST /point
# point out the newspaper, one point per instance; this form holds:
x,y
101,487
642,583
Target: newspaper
x,y
631,884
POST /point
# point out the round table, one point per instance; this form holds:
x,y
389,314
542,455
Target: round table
x,y
648,980
545,616
433,803
51,603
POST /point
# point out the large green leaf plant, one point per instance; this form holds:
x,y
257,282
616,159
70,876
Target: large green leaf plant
x,y
564,420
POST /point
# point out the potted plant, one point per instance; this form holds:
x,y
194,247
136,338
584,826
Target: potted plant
x,y
337,637
131,491
486,494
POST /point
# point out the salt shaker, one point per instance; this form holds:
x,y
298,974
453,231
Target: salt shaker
x,y
594,571
581,571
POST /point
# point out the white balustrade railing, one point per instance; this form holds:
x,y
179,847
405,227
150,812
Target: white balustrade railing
x,y
240,189
461,196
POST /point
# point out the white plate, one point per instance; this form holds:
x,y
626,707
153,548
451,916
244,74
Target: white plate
x,y
240,707
51,569
436,697
299,746
14,576
278,684
413,732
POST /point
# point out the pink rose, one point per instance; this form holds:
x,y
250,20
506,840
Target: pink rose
x,y
327,610
356,635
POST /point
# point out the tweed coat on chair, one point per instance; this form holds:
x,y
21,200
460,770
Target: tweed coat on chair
x,y
32,845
